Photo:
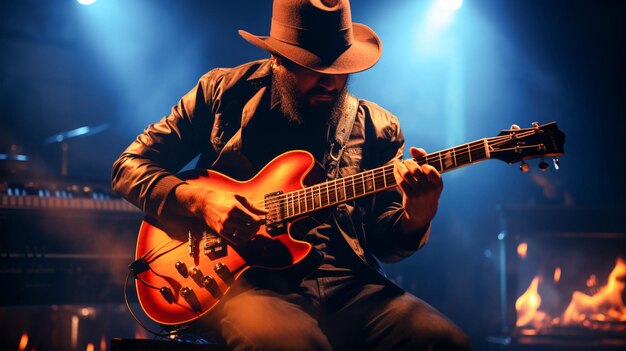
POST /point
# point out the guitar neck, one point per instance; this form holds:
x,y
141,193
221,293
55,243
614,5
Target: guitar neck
x,y
334,192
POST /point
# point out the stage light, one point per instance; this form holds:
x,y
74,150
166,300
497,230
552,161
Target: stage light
x,y
450,5
86,2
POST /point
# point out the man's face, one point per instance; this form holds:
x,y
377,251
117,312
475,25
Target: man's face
x,y
307,95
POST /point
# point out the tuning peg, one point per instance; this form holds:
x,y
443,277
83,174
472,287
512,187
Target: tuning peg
x,y
524,167
543,165
557,163
515,127
536,125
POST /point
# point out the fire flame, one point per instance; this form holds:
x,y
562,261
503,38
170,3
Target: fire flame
x,y
594,311
527,306
557,274
23,342
522,250
103,343
605,306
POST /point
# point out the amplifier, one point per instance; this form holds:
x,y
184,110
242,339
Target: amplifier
x,y
64,242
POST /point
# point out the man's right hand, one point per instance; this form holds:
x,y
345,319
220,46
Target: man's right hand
x,y
230,215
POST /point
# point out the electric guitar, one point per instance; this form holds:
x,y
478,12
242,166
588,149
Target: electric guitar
x,y
182,271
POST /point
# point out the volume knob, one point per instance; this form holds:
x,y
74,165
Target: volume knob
x,y
223,272
181,267
167,294
191,298
196,275
211,285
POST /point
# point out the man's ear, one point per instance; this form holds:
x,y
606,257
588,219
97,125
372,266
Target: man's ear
x,y
275,61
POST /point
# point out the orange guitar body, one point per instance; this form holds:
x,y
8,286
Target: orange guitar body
x,y
168,295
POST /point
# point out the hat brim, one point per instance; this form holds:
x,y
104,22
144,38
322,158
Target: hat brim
x,y
364,52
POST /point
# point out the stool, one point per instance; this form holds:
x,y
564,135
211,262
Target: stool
x,y
118,344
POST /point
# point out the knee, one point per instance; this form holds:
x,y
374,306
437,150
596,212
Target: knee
x,y
418,326
437,336
270,336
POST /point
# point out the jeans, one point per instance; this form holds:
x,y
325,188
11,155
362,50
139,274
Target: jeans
x,y
350,311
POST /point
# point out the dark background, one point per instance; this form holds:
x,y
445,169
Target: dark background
x,y
120,65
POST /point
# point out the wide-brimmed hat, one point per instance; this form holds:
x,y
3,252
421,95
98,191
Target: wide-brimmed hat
x,y
319,35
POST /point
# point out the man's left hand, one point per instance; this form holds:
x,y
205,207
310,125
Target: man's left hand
x,y
421,186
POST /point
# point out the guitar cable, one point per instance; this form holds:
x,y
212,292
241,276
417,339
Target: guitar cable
x,y
132,313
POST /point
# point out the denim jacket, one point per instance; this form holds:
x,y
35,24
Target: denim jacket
x,y
208,121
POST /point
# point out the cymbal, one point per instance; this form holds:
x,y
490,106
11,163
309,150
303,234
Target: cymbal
x,y
75,133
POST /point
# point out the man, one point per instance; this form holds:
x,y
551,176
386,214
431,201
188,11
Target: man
x,y
238,120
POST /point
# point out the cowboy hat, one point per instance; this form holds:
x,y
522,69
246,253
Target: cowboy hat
x,y
319,35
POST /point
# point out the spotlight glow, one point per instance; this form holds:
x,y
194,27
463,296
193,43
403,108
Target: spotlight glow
x,y
450,5
86,2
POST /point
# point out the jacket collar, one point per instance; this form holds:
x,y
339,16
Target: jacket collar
x,y
264,72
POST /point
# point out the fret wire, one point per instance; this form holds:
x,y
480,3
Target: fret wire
x,y
308,197
384,179
319,195
281,207
454,157
299,205
352,180
363,182
440,162
373,181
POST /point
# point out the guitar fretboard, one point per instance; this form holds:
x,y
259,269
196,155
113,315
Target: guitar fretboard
x,y
369,182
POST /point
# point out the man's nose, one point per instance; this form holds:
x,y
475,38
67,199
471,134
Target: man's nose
x,y
328,81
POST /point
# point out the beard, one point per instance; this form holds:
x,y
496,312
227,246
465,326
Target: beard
x,y
296,106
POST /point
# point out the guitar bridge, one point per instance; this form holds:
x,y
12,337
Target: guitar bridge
x,y
274,221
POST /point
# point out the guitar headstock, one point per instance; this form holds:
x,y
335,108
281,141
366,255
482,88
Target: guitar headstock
x,y
517,144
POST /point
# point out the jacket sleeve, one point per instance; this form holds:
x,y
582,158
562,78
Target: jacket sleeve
x,y
144,174
382,225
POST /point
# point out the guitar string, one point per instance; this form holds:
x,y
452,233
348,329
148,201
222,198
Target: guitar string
x,y
334,184
464,155
308,195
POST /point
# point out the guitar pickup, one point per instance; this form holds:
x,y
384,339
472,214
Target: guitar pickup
x,y
214,247
274,221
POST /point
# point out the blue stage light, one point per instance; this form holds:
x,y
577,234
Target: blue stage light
x,y
450,5
86,2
